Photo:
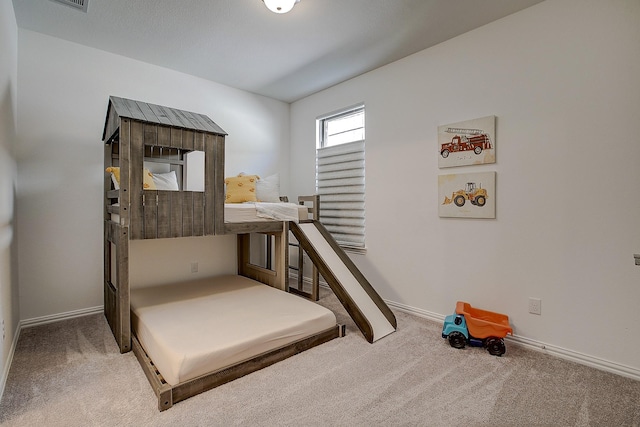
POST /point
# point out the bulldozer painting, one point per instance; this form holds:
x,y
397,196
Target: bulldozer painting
x,y
472,192
467,195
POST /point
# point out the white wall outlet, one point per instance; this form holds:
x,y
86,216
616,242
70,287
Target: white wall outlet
x,y
535,306
194,266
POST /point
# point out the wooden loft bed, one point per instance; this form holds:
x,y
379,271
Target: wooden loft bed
x,y
133,131
137,132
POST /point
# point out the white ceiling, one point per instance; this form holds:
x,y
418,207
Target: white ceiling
x,y
240,43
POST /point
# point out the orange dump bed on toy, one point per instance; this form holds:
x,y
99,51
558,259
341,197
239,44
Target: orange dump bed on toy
x,y
483,324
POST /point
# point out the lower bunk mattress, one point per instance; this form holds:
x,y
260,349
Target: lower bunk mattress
x,y
194,328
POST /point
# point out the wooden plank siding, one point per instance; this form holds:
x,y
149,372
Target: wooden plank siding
x,y
187,214
134,184
217,178
210,145
163,135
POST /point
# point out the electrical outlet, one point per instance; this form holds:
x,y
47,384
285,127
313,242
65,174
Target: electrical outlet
x,y
535,306
194,266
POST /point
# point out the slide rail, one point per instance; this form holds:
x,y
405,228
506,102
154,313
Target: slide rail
x,y
343,296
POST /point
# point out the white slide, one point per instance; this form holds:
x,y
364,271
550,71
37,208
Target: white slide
x,y
370,313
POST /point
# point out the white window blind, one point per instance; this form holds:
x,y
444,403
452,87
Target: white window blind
x,y
341,185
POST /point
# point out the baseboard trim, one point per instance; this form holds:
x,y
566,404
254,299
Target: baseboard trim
x,y
563,353
9,361
36,321
416,311
577,357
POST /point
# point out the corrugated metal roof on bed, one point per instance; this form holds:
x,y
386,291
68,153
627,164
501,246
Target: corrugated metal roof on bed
x,y
152,113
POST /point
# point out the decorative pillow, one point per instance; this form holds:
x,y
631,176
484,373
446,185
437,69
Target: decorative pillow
x,y
166,181
268,189
147,178
241,188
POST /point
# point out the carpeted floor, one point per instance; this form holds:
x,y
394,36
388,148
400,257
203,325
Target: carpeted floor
x,y
70,373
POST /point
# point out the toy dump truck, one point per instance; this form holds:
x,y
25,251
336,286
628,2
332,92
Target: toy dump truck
x,y
472,192
465,140
478,328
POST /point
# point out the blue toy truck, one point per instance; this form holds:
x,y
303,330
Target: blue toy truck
x,y
479,328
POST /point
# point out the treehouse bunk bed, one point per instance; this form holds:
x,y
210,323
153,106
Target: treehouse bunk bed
x,y
187,336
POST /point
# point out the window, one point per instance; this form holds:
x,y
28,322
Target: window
x,y
340,182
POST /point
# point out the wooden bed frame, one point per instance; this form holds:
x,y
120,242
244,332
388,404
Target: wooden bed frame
x,y
135,132
169,395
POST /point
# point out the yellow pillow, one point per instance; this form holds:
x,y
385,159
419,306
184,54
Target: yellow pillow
x,y
147,178
115,175
241,188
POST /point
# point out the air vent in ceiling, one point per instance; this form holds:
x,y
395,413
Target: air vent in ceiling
x,y
76,4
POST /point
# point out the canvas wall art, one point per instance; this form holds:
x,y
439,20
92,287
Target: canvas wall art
x,y
472,142
467,195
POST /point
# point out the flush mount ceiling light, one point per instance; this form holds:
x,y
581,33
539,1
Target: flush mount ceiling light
x,y
280,6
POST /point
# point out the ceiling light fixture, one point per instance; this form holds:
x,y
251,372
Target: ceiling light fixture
x,y
280,6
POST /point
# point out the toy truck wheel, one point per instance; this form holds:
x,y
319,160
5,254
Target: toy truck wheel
x,y
445,154
457,340
495,346
480,201
459,201
477,150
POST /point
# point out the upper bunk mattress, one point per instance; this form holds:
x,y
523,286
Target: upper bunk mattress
x,y
194,328
251,212
255,212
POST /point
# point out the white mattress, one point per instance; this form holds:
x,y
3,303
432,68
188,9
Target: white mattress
x,y
247,212
194,328
251,212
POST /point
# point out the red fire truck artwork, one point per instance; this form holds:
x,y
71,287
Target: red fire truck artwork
x,y
475,140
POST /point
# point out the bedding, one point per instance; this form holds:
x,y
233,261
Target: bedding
x,y
255,212
251,212
252,188
241,188
268,189
194,328
151,181
165,181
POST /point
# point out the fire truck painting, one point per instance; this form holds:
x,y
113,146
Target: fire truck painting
x,y
465,140
470,142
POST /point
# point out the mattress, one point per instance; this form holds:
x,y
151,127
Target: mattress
x,y
194,328
251,212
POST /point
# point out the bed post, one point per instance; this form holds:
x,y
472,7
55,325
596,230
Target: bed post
x,y
281,262
314,213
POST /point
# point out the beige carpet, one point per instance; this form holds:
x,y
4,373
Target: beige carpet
x,y
71,374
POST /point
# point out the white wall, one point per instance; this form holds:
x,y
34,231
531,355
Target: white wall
x,y
562,79
64,90
9,314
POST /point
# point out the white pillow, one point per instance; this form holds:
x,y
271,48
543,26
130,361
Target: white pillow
x,y
268,189
116,184
166,181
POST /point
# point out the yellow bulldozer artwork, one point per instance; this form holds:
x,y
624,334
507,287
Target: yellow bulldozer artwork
x,y
472,192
